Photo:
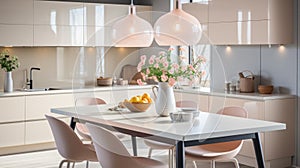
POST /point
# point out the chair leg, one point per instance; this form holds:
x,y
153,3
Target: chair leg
x,y
171,161
194,163
62,162
73,165
87,164
150,152
68,165
236,163
213,164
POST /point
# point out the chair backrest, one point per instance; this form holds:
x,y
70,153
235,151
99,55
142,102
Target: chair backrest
x,y
81,128
89,101
187,103
109,148
68,144
234,111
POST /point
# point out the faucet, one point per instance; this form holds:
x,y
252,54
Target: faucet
x,y
31,81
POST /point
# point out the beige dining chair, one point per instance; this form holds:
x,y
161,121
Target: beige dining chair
x,y
114,154
69,145
225,151
80,127
155,145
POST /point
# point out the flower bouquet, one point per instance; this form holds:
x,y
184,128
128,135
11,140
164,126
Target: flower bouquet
x,y
161,68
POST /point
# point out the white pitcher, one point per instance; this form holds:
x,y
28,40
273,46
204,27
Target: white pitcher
x,y
164,100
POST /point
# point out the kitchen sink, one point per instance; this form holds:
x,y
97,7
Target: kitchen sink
x,y
40,89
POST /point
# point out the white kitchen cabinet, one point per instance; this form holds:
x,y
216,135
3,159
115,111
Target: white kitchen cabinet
x,y
99,19
39,105
12,126
244,22
57,35
37,129
12,109
199,11
16,23
38,132
12,134
16,12
278,146
58,23
237,11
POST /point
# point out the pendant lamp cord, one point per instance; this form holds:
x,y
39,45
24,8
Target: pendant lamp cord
x,y
131,7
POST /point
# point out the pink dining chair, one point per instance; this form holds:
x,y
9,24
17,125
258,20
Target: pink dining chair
x,y
69,145
114,154
80,127
225,151
155,145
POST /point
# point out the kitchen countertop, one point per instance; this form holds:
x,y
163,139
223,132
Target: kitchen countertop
x,y
252,96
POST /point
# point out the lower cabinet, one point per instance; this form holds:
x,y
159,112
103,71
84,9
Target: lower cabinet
x,y
278,146
12,134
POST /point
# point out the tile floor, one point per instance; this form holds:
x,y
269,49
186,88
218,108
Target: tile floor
x,y
51,159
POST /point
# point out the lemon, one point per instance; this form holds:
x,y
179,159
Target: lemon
x,y
134,99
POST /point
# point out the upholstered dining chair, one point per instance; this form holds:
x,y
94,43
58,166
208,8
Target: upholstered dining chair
x,y
69,145
155,145
225,151
114,154
80,127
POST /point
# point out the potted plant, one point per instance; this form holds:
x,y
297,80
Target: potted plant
x,y
8,64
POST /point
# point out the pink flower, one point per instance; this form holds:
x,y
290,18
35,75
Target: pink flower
x,y
139,67
171,49
165,64
143,58
143,76
172,81
183,68
171,71
157,59
175,66
192,68
140,82
201,58
147,71
162,53
156,65
164,78
151,60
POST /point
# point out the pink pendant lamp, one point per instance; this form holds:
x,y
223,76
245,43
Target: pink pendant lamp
x,y
132,31
177,28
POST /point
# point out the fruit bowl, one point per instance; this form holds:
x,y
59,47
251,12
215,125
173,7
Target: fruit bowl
x,y
137,107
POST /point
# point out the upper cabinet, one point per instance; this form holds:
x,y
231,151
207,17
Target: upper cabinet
x,y
246,22
99,19
58,23
16,23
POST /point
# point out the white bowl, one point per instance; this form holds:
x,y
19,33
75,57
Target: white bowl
x,y
181,117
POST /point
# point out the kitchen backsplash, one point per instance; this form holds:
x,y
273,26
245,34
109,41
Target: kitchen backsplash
x,y
60,66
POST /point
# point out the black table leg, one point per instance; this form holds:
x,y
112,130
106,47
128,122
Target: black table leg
x,y
72,123
180,155
134,148
258,151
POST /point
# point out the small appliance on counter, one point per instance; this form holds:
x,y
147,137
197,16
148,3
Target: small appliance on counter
x,y
246,81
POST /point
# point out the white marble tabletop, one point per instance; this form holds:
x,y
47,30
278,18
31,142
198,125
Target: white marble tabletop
x,y
207,125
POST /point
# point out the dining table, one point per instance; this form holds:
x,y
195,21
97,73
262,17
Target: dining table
x,y
206,128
